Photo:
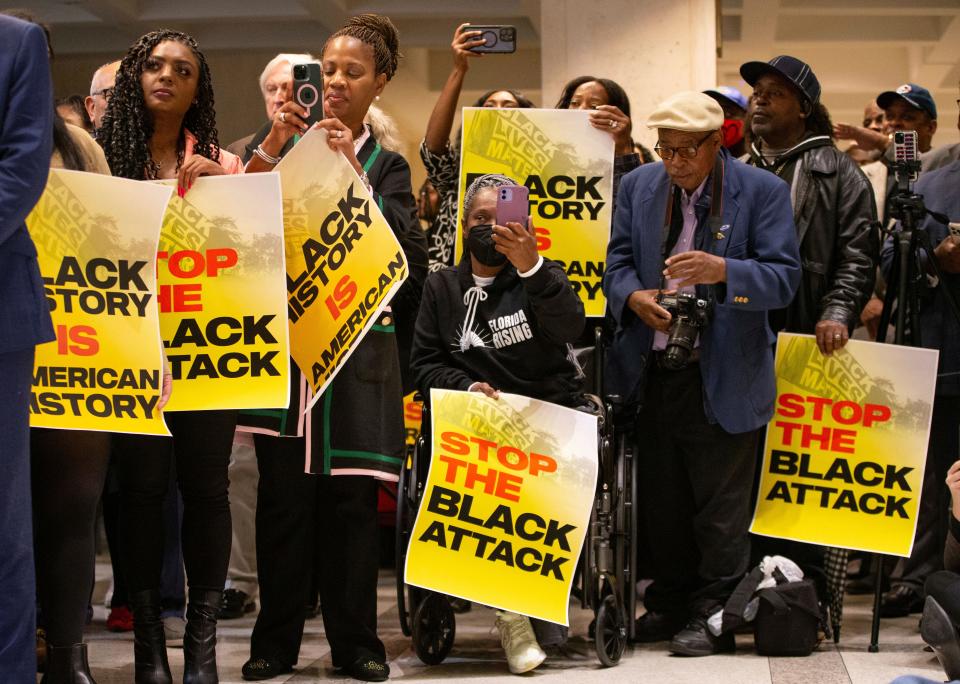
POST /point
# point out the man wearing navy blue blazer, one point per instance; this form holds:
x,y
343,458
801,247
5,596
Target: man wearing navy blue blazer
x,y
704,225
26,126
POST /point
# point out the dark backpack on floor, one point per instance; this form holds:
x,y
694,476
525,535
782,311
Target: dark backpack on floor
x,y
788,615
787,619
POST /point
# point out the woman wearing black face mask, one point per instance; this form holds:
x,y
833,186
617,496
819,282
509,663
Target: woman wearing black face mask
x,y
501,320
503,317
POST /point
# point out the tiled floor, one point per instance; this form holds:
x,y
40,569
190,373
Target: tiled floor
x,y
477,657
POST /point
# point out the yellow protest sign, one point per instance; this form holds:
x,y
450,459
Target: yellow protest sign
x,y
845,451
96,237
506,503
343,261
567,165
412,414
221,295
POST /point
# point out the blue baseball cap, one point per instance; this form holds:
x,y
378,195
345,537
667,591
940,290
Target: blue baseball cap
x,y
729,94
916,96
797,72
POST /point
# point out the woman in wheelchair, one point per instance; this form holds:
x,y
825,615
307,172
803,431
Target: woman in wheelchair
x,y
503,319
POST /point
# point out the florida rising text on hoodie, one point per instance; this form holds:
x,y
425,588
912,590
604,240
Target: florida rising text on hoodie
x,y
513,334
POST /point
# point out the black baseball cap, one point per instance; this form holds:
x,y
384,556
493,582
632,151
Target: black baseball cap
x,y
916,96
797,72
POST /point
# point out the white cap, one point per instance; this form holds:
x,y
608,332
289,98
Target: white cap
x,y
687,111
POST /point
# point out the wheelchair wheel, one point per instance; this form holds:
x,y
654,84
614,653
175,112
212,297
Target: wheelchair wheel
x,y
434,627
611,635
403,524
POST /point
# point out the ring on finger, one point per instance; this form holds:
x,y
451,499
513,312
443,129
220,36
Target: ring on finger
x,y
283,117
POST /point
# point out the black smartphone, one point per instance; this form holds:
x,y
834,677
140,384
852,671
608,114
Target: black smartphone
x,y
308,90
497,39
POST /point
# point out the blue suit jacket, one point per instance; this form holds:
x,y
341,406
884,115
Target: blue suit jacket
x,y
763,271
26,131
939,328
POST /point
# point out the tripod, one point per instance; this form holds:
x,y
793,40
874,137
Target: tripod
x,y
913,262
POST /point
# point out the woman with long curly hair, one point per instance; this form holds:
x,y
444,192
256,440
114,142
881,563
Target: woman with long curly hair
x,y
353,436
160,124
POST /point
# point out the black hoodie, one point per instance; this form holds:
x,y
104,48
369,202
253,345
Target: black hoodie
x,y
513,334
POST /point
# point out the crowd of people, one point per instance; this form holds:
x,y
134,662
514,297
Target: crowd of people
x,y
747,204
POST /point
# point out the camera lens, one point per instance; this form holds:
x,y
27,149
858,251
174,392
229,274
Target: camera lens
x,y
307,95
300,71
507,34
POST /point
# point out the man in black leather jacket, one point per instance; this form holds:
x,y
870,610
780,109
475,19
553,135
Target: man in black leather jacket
x,y
833,203
835,215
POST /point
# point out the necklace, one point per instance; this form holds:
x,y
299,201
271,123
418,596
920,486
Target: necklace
x,y
154,167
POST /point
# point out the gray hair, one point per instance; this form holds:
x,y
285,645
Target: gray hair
x,y
284,57
384,129
490,180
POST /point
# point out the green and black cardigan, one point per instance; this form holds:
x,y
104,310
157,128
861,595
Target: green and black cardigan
x,y
356,427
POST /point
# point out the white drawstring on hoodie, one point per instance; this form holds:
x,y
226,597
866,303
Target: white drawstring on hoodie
x,y
471,298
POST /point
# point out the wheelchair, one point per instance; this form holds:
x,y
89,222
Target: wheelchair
x,y
606,572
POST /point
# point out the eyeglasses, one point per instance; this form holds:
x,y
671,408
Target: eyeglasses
x,y
106,93
689,152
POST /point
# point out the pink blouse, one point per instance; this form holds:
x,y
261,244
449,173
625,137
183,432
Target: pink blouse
x,y
230,162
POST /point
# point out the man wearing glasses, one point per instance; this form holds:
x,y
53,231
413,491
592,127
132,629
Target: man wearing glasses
x,y
101,88
707,226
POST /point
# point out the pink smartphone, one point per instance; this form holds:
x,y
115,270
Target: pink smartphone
x,y
513,205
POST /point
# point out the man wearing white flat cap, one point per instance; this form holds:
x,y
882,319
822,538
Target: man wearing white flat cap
x,y
720,235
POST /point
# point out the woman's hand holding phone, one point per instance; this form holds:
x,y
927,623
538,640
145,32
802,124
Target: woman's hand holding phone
x,y
518,243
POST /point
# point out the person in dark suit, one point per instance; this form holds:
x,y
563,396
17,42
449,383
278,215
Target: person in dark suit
x,y
705,225
939,329
26,128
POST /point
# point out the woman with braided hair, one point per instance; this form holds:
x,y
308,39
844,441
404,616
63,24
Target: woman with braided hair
x,y
160,124
324,524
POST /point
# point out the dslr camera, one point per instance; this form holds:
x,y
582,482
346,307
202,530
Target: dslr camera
x,y
690,315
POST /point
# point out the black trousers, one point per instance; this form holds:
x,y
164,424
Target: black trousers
x,y
201,445
69,468
695,482
295,511
944,587
934,512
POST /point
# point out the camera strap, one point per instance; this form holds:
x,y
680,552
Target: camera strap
x,y
673,221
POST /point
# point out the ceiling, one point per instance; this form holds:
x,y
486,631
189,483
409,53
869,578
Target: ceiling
x,y
858,48
85,26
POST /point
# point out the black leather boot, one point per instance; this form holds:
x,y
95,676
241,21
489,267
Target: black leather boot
x,y
67,665
200,639
149,642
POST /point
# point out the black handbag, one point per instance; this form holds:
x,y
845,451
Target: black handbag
x,y
788,619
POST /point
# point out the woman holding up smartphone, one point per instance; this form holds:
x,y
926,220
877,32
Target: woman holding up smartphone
x,y
442,159
500,276
353,436
161,124
609,112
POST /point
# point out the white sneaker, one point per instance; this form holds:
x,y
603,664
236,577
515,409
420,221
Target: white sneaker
x,y
519,642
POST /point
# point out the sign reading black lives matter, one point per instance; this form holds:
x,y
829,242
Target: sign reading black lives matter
x,y
567,165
